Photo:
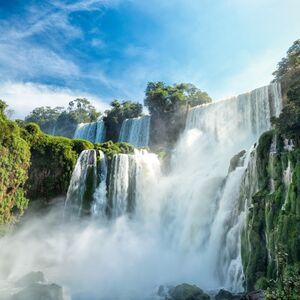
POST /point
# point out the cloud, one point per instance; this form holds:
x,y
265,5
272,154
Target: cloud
x,y
37,44
24,97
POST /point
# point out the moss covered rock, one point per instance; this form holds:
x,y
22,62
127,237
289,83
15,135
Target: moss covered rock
x,y
271,239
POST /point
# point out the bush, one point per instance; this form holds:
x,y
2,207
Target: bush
x,y
14,164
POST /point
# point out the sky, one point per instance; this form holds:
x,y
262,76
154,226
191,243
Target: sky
x,y
52,51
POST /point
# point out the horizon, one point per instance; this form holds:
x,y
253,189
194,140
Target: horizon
x,y
105,50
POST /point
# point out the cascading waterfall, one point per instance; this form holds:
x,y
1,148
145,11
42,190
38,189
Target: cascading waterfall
x,y
94,132
135,131
184,226
83,178
130,174
99,202
201,213
197,207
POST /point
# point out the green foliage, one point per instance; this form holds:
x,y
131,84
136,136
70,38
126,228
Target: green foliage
x,y
162,99
288,73
110,149
271,239
82,110
117,114
289,63
286,288
14,163
45,116
60,121
52,162
168,106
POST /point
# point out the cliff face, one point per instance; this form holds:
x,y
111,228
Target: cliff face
x,y
271,238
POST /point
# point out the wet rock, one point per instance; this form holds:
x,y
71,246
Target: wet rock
x,y
237,161
255,295
186,292
38,291
225,295
162,291
32,277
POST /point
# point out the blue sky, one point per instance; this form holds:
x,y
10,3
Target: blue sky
x,y
53,51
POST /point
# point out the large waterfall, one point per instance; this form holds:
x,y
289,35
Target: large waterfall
x,y
184,226
90,191
93,132
135,131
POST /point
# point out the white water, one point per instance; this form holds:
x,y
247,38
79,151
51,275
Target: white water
x,y
74,200
131,176
93,132
99,204
135,131
185,227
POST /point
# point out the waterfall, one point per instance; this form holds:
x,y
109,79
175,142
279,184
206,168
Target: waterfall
x,y
246,116
83,178
135,131
198,210
184,226
201,202
99,205
130,175
93,132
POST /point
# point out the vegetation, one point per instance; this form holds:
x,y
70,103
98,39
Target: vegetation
x,y
34,165
271,239
288,73
14,164
168,107
52,162
110,149
60,121
115,116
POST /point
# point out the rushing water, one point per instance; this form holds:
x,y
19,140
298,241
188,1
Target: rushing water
x,y
93,132
135,131
159,229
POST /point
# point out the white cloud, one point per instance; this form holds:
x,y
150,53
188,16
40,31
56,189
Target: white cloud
x,y
33,60
24,97
21,57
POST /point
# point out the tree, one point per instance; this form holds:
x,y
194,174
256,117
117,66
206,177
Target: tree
x,y
60,121
162,99
288,74
195,96
117,114
3,107
168,105
45,116
289,64
82,110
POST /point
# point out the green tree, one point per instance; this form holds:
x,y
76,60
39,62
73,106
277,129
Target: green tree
x,y
168,105
60,121
289,64
45,116
288,74
82,110
115,116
